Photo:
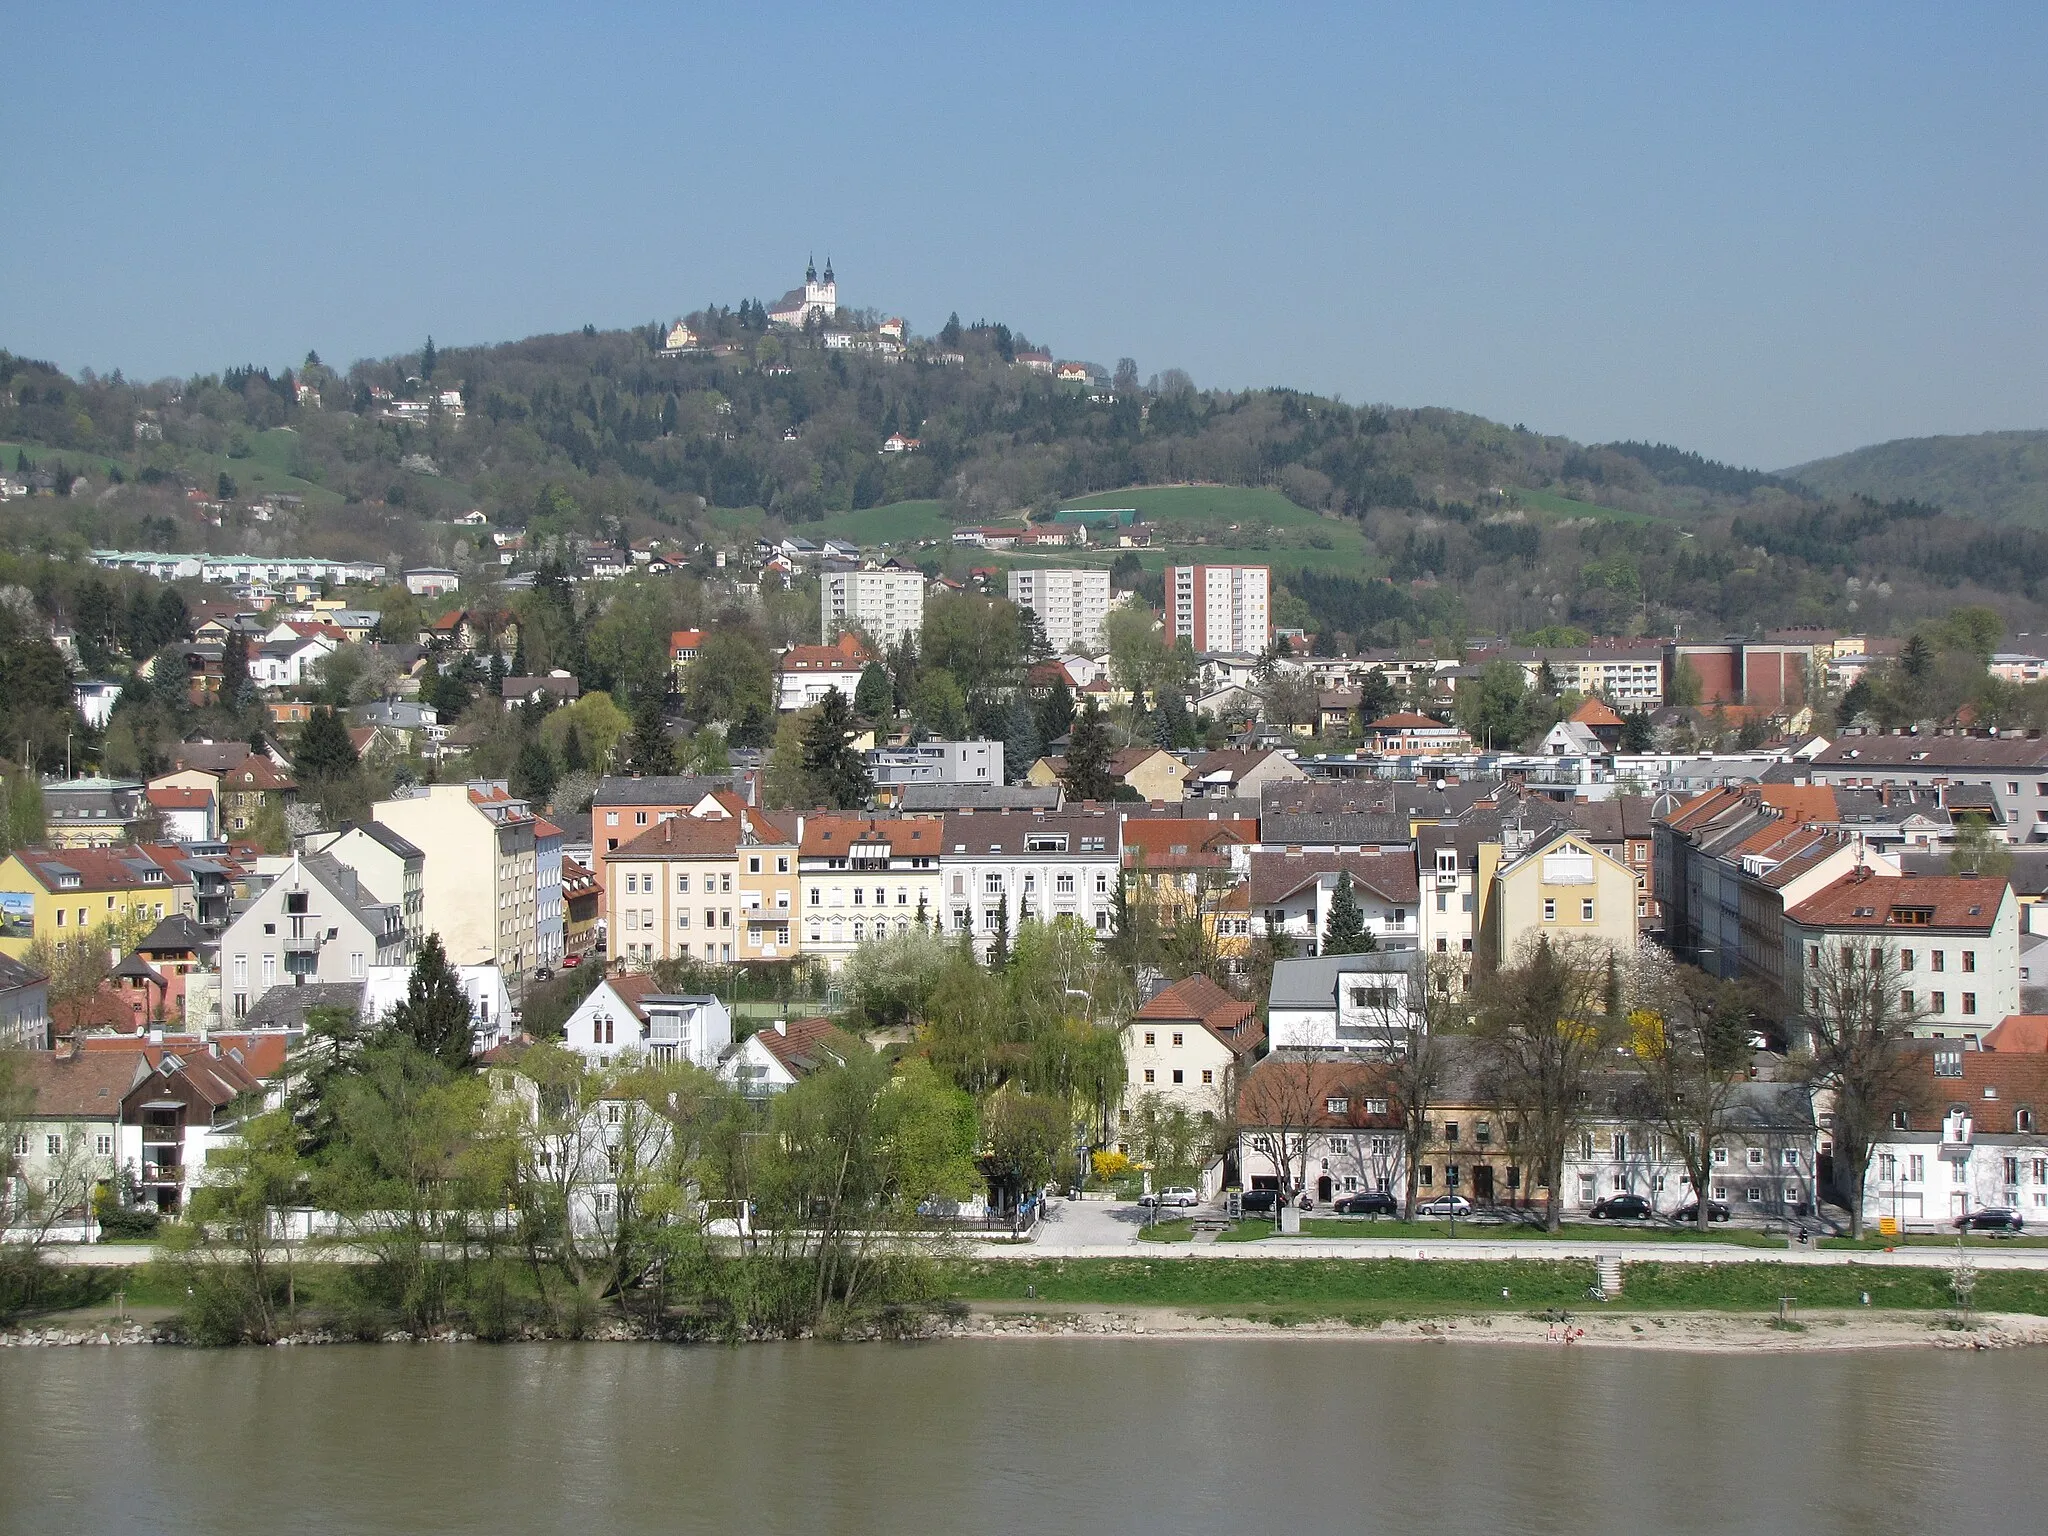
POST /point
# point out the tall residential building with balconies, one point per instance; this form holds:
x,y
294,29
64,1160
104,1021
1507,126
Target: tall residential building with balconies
x,y
1226,608
1070,604
885,605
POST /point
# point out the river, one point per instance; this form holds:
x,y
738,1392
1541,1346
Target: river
x,y
1005,1437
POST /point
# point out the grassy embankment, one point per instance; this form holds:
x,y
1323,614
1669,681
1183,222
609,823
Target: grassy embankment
x,y
1372,1289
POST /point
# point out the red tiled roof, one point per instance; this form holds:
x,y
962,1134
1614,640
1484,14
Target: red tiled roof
x,y
801,1043
1389,876
89,1085
1179,842
681,837
2019,1032
847,654
1408,722
2016,1081
1287,1090
168,799
830,836
1233,1021
1950,901
1596,712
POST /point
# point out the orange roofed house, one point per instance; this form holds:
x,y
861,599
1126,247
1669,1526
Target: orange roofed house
x,y
1188,1046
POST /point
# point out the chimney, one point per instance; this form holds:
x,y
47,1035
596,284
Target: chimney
x,y
156,1034
782,1026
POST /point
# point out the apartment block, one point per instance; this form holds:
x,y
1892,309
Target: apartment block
x,y
1070,604
1221,607
886,605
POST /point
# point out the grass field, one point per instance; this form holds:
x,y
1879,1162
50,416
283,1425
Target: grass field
x,y
1565,506
267,469
93,464
1342,1287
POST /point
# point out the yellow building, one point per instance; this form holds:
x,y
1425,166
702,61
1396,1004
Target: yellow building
x,y
63,894
767,887
1560,885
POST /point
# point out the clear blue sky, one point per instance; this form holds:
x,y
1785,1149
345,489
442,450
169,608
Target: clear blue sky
x,y
1768,233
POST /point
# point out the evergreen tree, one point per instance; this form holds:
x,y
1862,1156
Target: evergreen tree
x,y
950,333
428,358
1344,933
435,1013
324,750
234,669
1021,747
1375,698
875,698
533,774
922,916
1055,711
837,772
519,665
1088,753
648,747
574,759
1636,732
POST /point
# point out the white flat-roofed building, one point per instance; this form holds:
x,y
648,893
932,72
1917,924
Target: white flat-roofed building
x,y
1221,607
885,605
1070,604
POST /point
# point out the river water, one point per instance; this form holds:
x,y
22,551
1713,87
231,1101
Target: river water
x,y
1000,1437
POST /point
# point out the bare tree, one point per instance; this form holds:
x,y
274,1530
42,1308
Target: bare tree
x,y
1860,1027
1419,1023
1688,1034
1545,1029
1278,1107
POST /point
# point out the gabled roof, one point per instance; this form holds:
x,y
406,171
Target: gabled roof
x,y
662,789
1596,713
1179,842
1303,1088
831,835
682,837
123,868
804,1045
1408,721
2019,1032
1232,1020
85,1085
1389,876
1992,1086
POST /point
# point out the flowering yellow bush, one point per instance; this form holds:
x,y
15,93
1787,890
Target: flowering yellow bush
x,y
1110,1165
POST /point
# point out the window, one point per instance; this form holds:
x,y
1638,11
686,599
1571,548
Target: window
x,y
682,885
1887,1167
54,1145
1905,1000
1756,1157
103,1145
1549,909
1586,910
753,863
2023,1122
1425,1176
1176,1037
611,818
1451,1132
1336,1105
1938,1001
1150,1075
1208,1076
1969,960
1375,1106
639,818
1720,1156
1937,960
1789,1156
1179,1076
1150,1038
2012,1170
1916,1168
1969,1002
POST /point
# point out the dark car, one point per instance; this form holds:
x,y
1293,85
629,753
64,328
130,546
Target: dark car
x,y
1689,1215
542,973
1623,1208
1991,1218
1368,1202
1260,1202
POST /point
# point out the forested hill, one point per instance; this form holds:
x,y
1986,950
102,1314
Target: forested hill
x,y
1998,475
1386,523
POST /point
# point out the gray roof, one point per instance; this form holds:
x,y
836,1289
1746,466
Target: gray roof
x,y
1355,829
346,886
2028,872
14,974
657,789
176,932
385,838
1312,982
980,797
286,1007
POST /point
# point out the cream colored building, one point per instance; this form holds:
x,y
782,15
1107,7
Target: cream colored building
x,y
478,885
673,891
865,877
1557,884
768,888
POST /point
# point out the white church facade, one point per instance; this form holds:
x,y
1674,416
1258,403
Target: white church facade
x,y
818,296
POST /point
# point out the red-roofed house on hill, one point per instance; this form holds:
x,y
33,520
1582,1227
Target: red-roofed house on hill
x,y
1953,938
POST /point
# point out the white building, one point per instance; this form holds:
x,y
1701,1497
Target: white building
x,y
386,862
315,922
1975,1135
1341,1002
938,762
1954,939
1221,607
1070,604
783,1053
490,1004
865,877
817,299
1005,868
1290,893
886,605
628,1015
481,885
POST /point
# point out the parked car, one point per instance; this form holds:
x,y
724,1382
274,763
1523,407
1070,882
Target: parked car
x,y
1368,1202
570,962
1623,1208
1260,1202
542,973
1445,1205
1991,1218
1689,1215
1178,1194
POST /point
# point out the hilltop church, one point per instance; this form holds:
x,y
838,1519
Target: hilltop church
x,y
816,297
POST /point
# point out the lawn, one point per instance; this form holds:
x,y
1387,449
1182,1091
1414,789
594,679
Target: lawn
x,y
1566,506
74,459
1340,1286
1249,525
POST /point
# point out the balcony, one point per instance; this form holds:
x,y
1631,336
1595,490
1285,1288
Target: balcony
x,y
302,944
161,1173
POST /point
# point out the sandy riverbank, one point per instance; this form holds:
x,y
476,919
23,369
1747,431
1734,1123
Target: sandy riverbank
x,y
1703,1332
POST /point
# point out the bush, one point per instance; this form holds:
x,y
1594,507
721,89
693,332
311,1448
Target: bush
x,y
124,1221
1109,1166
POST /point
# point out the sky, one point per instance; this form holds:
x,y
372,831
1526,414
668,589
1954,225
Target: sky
x,y
1766,233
